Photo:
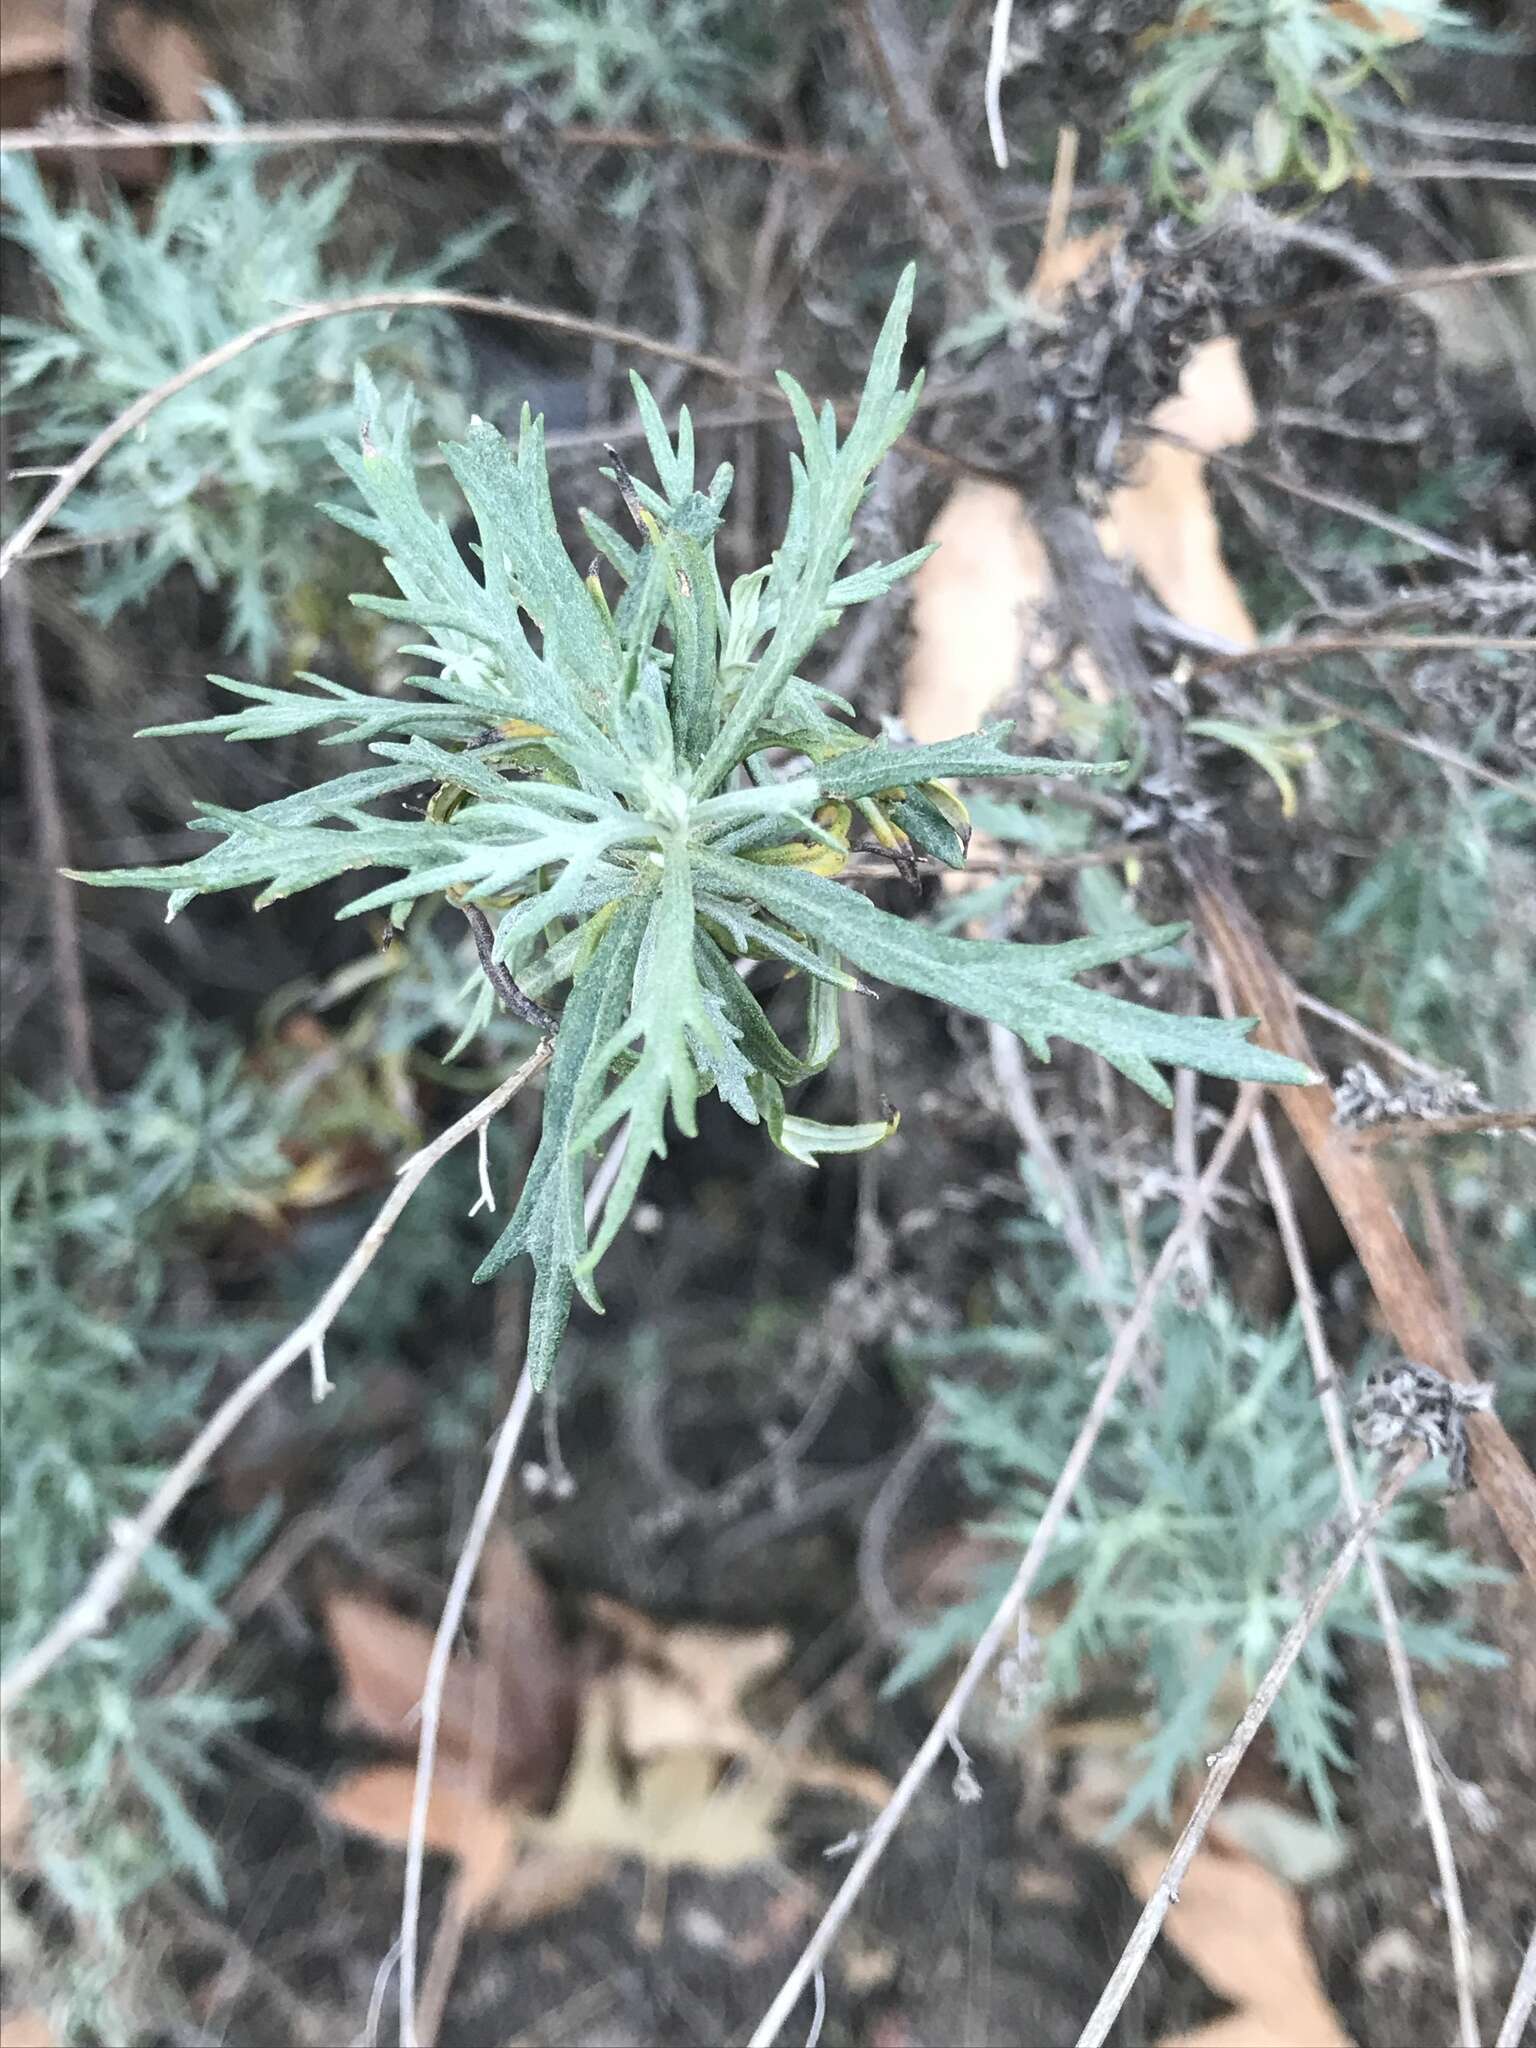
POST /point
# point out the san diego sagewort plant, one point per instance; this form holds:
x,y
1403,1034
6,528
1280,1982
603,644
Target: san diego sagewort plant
x,y
613,799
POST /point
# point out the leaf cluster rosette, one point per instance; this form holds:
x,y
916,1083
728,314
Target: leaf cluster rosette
x,y
641,794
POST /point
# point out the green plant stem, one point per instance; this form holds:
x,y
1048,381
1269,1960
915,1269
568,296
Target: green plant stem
x,y
998,1629
88,1614
1231,1754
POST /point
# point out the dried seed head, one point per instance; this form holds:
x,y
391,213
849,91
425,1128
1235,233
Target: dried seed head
x,y
1404,1404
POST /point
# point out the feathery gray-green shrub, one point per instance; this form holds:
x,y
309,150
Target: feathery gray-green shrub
x,y
1205,1516
95,1201
224,476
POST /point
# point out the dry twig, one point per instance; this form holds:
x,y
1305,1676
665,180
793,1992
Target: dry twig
x,y
48,835
133,416
1415,743
1386,288
997,68
499,1470
1224,1764
75,138
1412,1128
1325,1378
1522,2001
1366,643
998,1629
1419,1321
88,1613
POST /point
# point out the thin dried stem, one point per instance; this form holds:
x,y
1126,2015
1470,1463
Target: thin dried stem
x,y
1417,1127
1432,750
1403,281
1224,1764
1330,501
426,135
48,835
133,416
1063,179
1522,2001
499,1470
1416,1734
997,68
1012,1077
1409,1062
951,218
1005,1618
88,1614
1367,643
1186,1161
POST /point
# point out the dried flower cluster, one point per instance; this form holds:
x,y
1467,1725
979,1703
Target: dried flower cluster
x,y
1403,1404
1082,53
1363,1098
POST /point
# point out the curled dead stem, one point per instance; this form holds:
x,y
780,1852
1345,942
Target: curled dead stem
x,y
89,1613
133,416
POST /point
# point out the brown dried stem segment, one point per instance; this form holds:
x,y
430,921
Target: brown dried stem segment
x,y
1420,1322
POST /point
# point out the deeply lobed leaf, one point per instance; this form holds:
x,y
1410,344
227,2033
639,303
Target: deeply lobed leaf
x,y
600,776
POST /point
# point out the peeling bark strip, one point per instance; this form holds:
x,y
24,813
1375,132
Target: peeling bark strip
x,y
1420,1322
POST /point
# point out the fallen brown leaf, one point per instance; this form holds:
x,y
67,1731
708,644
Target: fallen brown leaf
x,y
479,1836
15,1815
1242,1929
383,1659
508,1715
671,1809
978,610
981,605
1387,21
680,1688
27,2029
166,61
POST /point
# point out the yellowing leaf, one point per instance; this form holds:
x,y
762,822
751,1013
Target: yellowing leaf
x,y
671,1810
